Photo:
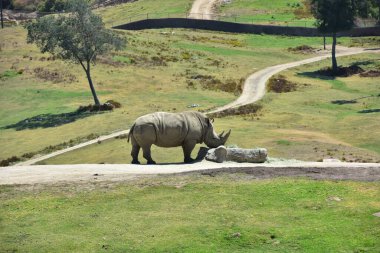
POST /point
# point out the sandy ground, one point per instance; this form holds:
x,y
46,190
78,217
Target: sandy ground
x,y
51,174
203,9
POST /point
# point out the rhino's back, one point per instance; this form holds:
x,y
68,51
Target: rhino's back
x,y
171,128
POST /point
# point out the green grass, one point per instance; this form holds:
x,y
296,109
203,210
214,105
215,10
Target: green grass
x,y
305,119
141,87
124,13
9,74
341,85
192,214
278,12
153,73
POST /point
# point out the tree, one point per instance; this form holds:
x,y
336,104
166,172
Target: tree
x,y
376,3
52,5
332,17
79,37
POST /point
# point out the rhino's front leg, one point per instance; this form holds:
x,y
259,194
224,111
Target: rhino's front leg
x,y
147,154
188,147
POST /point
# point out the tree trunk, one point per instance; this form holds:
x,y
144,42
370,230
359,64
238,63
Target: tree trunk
x,y
334,62
88,73
1,9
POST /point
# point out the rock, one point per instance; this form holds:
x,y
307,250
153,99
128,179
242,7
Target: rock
x,y
218,154
331,160
221,154
377,214
258,155
334,198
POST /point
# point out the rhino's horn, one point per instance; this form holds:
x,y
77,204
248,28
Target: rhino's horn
x,y
224,138
221,135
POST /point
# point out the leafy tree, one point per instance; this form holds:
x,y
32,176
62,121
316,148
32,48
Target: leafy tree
x,y
7,4
376,4
52,5
79,37
332,17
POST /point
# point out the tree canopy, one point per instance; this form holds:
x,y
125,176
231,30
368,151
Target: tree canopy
x,y
333,16
79,37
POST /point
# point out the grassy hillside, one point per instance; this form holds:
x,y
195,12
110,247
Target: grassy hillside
x,y
232,213
169,70
281,12
123,13
157,71
304,124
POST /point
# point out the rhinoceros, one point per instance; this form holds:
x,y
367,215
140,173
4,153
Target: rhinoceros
x,y
173,130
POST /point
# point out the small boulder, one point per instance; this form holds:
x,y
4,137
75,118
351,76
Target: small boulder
x,y
331,160
218,154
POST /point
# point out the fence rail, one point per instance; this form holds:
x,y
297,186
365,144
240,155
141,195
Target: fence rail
x,y
223,26
217,17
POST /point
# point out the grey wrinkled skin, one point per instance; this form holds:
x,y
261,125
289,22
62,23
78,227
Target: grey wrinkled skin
x,y
173,130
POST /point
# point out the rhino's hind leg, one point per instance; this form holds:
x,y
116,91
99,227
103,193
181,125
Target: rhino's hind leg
x,y
147,155
188,147
135,151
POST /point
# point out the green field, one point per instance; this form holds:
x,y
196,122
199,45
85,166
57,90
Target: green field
x,y
169,70
225,213
277,12
304,124
142,9
157,72
164,64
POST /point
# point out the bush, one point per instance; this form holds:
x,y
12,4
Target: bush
x,y
9,161
371,73
242,110
342,71
279,84
107,106
304,49
52,5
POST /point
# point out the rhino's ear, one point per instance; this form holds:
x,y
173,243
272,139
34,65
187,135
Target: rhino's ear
x,y
209,121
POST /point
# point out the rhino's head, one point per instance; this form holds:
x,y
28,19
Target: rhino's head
x,y
212,140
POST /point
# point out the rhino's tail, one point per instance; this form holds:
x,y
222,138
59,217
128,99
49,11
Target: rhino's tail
x,y
131,132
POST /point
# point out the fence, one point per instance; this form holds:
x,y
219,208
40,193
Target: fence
x,y
217,17
224,26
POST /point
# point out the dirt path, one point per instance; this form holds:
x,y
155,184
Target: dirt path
x,y
254,86
60,152
203,9
51,174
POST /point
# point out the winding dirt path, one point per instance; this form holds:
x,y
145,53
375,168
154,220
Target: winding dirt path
x,y
254,86
203,9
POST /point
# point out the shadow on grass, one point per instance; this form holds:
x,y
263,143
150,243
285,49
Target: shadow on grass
x,y
328,74
370,111
49,120
352,101
316,74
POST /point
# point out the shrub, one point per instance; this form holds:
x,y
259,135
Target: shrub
x,y
342,71
304,49
279,84
242,110
107,106
9,161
